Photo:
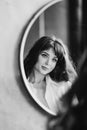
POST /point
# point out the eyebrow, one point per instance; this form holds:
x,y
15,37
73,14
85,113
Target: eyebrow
x,y
45,52
56,57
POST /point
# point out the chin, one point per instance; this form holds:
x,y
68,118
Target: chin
x,y
44,72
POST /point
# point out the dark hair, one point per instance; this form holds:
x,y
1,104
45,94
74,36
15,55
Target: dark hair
x,y
44,43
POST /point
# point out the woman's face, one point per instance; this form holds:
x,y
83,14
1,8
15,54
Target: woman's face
x,y
46,61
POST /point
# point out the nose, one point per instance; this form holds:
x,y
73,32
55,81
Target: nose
x,y
48,62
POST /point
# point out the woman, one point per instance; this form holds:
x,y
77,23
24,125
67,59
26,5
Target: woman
x,y
49,71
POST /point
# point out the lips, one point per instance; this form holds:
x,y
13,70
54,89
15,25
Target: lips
x,y
44,68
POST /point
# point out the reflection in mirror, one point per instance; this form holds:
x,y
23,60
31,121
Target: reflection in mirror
x,y
46,66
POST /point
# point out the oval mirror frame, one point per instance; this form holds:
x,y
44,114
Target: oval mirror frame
x,y
23,42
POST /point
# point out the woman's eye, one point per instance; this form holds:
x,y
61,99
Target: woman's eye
x,y
44,55
55,60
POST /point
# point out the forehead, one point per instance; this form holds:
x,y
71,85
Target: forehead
x,y
50,52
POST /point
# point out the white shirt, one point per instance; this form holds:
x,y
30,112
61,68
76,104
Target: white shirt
x,y
54,91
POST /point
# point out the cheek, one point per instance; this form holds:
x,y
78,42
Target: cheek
x,y
53,65
41,60
38,63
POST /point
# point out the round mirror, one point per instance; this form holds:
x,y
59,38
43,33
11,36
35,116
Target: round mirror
x,y
50,20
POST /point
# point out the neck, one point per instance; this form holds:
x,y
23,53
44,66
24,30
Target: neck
x,y
36,77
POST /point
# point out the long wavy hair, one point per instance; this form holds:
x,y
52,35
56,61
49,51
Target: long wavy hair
x,y
59,73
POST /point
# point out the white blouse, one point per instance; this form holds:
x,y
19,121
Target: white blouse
x,y
54,91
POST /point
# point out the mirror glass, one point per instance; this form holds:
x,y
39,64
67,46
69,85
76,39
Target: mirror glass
x,y
50,20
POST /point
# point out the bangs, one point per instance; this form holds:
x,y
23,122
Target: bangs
x,y
55,45
47,46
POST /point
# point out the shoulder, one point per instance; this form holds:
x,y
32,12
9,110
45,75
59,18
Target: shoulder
x,y
58,84
60,88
